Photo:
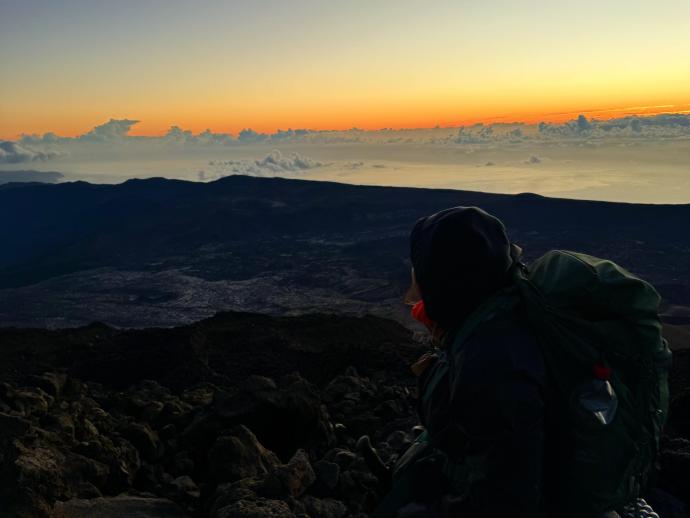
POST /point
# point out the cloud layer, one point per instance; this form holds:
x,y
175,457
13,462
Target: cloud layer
x,y
630,158
274,163
116,132
14,153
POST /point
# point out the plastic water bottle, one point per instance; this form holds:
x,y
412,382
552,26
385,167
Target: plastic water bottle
x,y
596,402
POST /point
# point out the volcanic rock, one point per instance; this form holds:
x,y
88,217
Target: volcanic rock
x,y
261,508
237,454
297,475
243,442
118,507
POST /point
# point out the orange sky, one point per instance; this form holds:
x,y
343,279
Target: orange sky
x,y
402,120
321,65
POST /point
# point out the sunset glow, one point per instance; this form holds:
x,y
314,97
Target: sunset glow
x,y
306,64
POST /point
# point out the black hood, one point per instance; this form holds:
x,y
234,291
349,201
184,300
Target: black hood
x,y
460,256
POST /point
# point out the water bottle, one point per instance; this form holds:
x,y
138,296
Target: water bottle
x,y
594,401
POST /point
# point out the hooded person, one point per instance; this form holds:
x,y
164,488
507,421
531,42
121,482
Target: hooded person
x,y
459,256
483,404
502,437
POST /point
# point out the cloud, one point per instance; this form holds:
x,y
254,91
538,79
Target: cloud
x,y
46,138
578,131
666,125
274,163
114,129
210,138
246,136
636,127
177,134
106,142
249,135
290,134
476,134
354,165
583,124
14,153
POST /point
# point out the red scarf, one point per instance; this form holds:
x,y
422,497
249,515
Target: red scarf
x,y
419,313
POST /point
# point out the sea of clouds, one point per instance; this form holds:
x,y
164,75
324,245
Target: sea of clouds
x,y
633,158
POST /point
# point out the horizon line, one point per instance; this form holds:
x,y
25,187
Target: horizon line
x,y
550,117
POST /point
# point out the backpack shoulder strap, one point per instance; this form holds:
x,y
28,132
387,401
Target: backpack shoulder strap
x,y
404,481
501,301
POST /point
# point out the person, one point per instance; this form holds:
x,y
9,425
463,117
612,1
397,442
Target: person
x,y
491,401
485,404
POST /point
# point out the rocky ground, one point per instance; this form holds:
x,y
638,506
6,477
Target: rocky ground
x,y
240,415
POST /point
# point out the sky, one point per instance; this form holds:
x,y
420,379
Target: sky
x,y
269,64
587,99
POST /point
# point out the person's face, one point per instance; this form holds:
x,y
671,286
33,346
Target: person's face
x,y
412,296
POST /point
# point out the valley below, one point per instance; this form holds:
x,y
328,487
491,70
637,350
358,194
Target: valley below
x,y
167,252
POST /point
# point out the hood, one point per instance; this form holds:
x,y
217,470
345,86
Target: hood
x,y
460,256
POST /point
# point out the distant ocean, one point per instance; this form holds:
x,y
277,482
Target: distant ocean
x,y
658,174
649,167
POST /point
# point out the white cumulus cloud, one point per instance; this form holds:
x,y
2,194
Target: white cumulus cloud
x,y
274,163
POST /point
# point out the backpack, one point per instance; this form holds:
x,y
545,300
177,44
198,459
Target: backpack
x,y
600,335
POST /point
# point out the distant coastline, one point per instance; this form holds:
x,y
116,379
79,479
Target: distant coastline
x,y
27,175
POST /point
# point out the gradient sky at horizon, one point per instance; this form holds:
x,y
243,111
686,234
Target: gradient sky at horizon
x,y
268,64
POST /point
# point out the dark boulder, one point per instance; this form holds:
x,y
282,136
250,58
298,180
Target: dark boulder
x,y
237,454
118,507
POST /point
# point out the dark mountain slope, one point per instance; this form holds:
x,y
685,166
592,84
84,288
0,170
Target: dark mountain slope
x,y
349,239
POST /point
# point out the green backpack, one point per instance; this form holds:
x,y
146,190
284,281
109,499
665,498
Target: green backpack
x,y
596,322
600,335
